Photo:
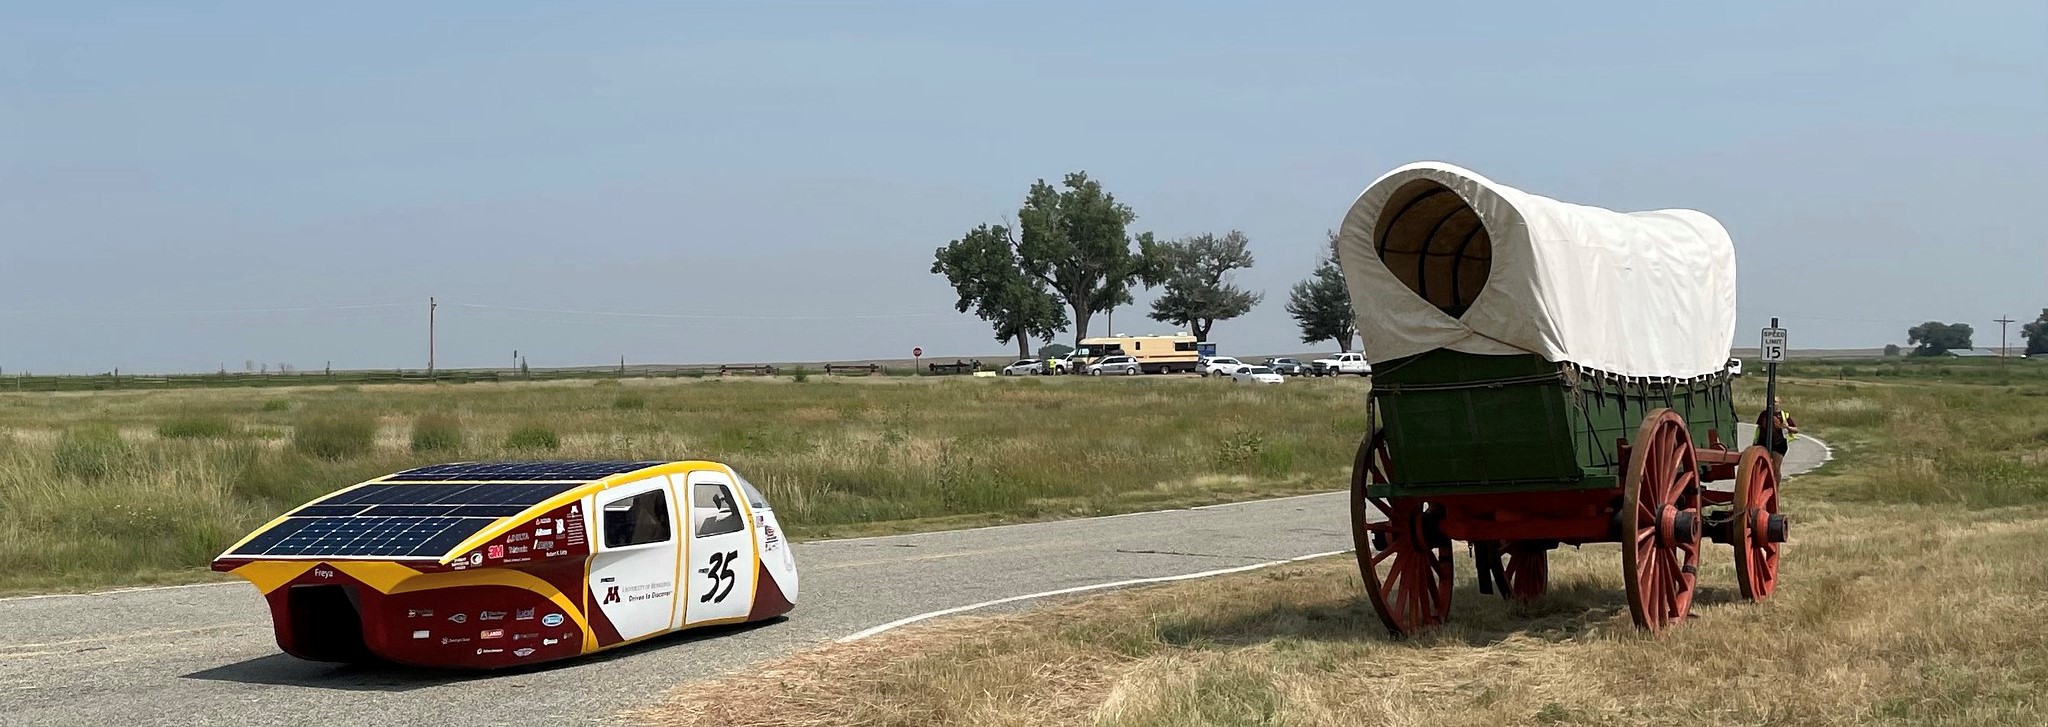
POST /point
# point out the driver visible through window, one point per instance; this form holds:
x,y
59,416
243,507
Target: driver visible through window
x,y
636,520
712,508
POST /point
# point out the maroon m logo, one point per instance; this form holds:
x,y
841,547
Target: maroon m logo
x,y
611,595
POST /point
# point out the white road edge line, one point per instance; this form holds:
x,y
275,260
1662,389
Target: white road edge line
x,y
899,623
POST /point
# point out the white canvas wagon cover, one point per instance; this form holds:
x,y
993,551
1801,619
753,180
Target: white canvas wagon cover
x,y
1437,256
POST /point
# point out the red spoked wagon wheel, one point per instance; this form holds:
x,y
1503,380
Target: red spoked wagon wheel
x,y
1755,528
1527,569
1405,563
1661,526
1520,568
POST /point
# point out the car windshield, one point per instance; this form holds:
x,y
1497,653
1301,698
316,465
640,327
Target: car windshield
x,y
1256,370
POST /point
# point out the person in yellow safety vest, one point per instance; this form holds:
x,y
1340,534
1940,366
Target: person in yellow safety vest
x,y
1779,433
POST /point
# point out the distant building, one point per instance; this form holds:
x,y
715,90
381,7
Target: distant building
x,y
1973,352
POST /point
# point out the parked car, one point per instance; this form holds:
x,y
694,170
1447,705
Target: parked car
x,y
1286,366
1734,367
1343,363
1126,365
1025,367
1221,366
1255,375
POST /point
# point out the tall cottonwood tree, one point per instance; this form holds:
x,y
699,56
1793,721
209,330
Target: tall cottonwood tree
x,y
1195,271
984,269
1075,240
1321,305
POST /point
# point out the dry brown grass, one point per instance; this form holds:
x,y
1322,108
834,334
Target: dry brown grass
x,y
1888,615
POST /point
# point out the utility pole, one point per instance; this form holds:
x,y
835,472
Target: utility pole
x,y
2002,322
431,305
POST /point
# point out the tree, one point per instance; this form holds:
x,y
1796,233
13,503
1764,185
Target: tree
x,y
1891,349
983,268
1074,241
1934,338
2036,334
1321,305
1054,350
1196,273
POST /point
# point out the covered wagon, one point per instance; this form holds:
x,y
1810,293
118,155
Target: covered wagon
x,y
1545,374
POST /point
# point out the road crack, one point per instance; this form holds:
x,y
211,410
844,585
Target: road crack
x,y
1191,555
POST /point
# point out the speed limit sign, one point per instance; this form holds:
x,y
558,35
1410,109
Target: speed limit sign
x,y
1774,345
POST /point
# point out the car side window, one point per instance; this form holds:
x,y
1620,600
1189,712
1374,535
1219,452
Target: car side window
x,y
712,509
636,520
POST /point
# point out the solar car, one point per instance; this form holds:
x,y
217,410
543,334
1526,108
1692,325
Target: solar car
x,y
496,564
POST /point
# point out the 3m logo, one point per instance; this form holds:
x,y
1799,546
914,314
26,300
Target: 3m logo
x,y
611,595
495,551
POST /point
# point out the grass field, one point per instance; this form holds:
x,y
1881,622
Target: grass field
x,y
134,487
1912,594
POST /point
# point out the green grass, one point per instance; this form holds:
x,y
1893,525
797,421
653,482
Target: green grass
x,y
533,437
436,432
335,435
200,426
91,493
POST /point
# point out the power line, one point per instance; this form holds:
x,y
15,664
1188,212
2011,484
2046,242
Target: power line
x,y
702,316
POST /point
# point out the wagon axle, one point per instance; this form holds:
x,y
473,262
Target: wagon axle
x,y
1772,528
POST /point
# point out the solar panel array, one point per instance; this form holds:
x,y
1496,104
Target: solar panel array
x,y
423,512
518,471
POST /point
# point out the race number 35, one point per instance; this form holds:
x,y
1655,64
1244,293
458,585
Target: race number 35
x,y
721,577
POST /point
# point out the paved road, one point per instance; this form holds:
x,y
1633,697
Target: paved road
x,y
204,656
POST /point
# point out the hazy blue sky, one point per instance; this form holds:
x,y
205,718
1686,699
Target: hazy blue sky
x,y
166,168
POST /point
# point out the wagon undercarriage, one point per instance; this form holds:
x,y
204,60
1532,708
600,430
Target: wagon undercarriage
x,y
1660,512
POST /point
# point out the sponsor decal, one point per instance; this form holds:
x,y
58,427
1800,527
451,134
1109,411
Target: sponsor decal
x,y
640,592
558,526
476,559
549,642
523,652
516,537
526,637
543,532
481,652
524,614
495,551
611,595
323,573
551,620
516,549
421,634
457,640
491,616
553,553
459,618
419,613
492,634
543,544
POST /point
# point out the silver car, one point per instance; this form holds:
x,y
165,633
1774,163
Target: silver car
x,y
1125,365
1024,367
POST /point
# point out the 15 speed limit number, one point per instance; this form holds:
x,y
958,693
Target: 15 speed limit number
x,y
1774,345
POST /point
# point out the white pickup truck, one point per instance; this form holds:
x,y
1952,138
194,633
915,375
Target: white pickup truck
x,y
1343,363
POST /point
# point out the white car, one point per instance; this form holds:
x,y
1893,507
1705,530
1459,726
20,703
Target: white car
x,y
1125,365
1343,363
1255,375
1221,366
1024,367
1734,367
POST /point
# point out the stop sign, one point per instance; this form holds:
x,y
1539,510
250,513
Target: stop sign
x,y
916,351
